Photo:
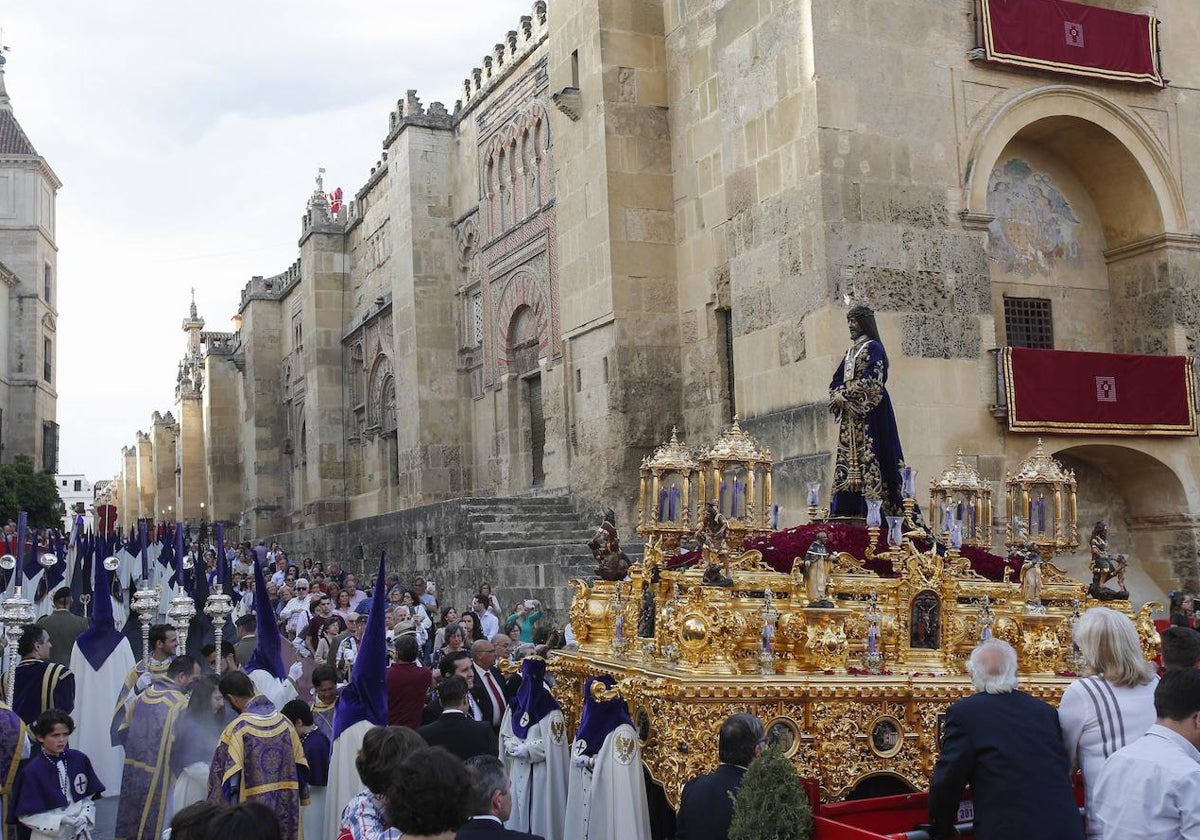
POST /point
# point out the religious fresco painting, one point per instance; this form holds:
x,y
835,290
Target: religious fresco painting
x,y
1034,226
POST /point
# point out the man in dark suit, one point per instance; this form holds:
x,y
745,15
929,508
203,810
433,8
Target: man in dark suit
x,y
706,806
63,626
455,730
488,689
1008,746
458,663
491,802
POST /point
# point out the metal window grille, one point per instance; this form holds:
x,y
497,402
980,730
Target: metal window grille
x,y
1028,323
477,317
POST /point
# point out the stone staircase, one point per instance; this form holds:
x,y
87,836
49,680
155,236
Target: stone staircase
x,y
537,542
527,522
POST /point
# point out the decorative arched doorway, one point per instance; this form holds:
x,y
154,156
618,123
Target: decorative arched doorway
x,y
1083,214
523,348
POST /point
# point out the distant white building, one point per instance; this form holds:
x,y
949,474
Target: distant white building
x,y
75,491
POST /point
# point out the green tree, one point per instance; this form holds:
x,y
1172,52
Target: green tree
x,y
22,488
771,804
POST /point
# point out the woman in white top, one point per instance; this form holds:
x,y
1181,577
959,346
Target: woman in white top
x,y
1114,706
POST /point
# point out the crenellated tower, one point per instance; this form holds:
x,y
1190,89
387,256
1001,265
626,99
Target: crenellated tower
x,y
191,461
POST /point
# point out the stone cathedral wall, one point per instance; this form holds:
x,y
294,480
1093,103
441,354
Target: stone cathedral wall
x,y
647,213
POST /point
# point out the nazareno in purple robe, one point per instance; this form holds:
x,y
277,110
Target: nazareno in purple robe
x,y
37,787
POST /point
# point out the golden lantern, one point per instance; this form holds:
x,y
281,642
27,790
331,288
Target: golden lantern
x,y
1042,508
735,477
960,505
667,494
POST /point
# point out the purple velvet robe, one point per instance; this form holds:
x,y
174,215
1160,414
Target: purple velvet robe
x,y
41,685
12,744
866,433
317,752
37,790
148,733
260,757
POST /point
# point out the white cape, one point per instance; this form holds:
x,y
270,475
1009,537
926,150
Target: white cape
x,y
312,815
609,801
98,692
344,781
539,781
279,692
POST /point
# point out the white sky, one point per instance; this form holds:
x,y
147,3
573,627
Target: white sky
x,y
187,137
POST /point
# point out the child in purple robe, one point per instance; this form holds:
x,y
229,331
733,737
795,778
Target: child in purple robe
x,y
52,795
317,751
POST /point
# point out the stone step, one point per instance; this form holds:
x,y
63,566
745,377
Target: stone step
x,y
531,503
565,529
523,516
529,542
562,554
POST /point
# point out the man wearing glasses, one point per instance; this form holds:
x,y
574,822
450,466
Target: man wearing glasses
x,y
297,613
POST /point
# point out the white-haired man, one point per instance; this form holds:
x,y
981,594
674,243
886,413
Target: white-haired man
x,y
1008,746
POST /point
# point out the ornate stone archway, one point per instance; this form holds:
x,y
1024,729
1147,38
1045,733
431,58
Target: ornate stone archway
x,y
1058,101
522,292
381,397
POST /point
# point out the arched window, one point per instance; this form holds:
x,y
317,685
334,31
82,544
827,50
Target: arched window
x,y
381,397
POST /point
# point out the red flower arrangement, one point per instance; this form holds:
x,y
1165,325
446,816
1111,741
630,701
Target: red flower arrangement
x,y
781,549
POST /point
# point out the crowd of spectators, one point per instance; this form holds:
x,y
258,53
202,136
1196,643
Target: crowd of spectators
x,y
323,613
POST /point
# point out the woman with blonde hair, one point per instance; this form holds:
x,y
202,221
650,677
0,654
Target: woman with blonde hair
x,y
1111,707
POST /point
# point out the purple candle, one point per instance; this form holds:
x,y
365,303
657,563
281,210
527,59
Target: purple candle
x,y
22,522
179,553
143,532
775,517
221,553
662,504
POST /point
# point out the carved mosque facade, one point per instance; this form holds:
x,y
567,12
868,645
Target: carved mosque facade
x,y
647,214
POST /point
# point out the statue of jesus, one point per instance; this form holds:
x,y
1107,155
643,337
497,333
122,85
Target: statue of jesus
x,y
867,464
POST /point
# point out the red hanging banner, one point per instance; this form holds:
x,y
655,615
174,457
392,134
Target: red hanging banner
x,y
1069,393
1073,38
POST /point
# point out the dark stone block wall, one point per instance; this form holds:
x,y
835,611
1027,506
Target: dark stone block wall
x,y
439,542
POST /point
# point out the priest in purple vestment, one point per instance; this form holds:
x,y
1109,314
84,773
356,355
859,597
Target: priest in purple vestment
x,y
148,734
259,757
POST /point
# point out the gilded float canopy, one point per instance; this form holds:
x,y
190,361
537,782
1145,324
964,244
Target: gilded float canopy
x,y
735,444
672,456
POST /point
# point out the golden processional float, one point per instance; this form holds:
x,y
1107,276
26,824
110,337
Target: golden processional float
x,y
852,691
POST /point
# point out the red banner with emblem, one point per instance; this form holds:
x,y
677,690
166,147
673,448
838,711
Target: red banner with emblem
x,y
1073,38
1069,393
